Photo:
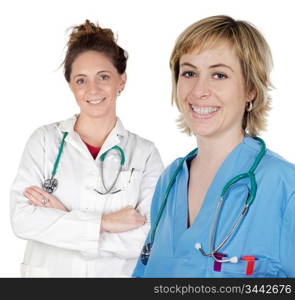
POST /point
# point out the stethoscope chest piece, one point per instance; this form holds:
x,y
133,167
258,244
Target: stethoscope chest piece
x,y
50,185
145,253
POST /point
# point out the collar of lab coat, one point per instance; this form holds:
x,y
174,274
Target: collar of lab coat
x,y
112,139
68,126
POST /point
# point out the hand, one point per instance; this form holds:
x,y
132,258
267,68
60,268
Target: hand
x,y
123,220
35,196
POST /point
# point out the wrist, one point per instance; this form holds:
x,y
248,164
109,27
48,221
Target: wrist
x,y
103,224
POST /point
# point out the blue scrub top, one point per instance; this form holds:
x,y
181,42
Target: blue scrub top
x,y
267,232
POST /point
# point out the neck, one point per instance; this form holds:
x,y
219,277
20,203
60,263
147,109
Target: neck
x,y
212,151
94,131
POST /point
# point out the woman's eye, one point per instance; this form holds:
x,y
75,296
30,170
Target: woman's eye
x,y
188,74
80,81
104,77
219,76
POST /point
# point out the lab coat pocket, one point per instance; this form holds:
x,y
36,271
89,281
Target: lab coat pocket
x,y
32,271
130,185
239,269
125,191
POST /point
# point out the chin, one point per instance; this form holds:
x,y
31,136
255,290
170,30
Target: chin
x,y
94,114
205,130
203,133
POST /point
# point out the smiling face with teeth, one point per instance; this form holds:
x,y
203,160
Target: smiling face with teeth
x,y
95,83
211,91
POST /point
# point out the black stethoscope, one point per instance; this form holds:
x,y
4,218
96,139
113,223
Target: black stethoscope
x,y
147,248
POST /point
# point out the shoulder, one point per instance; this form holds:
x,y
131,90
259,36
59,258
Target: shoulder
x,y
276,177
57,128
272,163
172,167
168,173
281,174
276,165
138,139
60,126
139,144
47,133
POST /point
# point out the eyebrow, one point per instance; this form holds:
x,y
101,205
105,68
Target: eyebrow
x,y
211,67
188,64
103,71
221,65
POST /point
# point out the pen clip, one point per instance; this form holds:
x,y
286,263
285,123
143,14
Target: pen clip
x,y
132,170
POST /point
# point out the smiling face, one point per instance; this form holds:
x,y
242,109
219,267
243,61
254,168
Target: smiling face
x,y
95,83
211,91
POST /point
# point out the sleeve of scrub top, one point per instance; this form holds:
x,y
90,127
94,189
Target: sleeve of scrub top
x,y
129,244
287,244
74,230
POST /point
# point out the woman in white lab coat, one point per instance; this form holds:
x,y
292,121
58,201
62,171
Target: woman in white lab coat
x,y
93,223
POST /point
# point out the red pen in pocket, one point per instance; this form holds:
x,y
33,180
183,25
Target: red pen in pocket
x,y
250,263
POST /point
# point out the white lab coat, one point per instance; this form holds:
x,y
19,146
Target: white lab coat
x,y
70,244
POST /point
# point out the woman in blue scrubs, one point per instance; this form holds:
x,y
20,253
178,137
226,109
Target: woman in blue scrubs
x,y
227,209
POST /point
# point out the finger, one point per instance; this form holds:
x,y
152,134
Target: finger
x,y
40,191
139,223
35,194
128,208
35,197
138,214
40,195
140,218
43,193
32,199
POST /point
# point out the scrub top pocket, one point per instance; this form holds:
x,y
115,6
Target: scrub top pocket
x,y
239,269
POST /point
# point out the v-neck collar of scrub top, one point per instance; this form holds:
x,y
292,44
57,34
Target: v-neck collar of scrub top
x,y
73,137
199,230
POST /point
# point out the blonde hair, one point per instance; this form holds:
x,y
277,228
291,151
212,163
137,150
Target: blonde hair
x,y
254,55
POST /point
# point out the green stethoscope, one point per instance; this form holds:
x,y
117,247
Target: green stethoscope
x,y
146,251
50,185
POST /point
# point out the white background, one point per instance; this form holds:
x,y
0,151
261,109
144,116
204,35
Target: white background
x,y
33,91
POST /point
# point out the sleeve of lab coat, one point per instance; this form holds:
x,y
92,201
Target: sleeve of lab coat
x,y
74,230
160,190
140,267
128,244
287,244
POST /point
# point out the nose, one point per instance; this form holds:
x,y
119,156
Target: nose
x,y
93,87
201,89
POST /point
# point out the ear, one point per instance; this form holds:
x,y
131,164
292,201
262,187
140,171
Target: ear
x,y
123,81
70,86
251,96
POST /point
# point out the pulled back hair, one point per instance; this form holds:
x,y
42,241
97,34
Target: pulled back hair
x,y
91,37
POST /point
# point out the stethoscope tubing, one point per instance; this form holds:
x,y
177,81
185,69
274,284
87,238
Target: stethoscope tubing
x,y
53,181
253,188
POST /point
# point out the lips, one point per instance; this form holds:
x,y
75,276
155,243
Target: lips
x,y
95,101
204,112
